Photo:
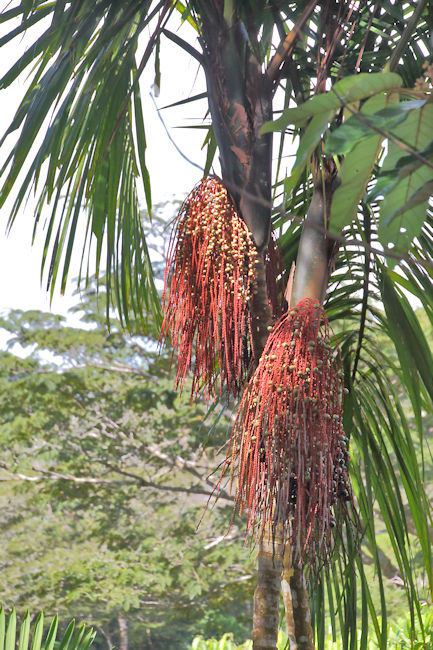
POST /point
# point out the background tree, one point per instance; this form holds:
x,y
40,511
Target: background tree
x,y
86,68
104,478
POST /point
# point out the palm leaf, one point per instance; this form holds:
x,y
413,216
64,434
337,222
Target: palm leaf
x,y
81,640
402,214
86,78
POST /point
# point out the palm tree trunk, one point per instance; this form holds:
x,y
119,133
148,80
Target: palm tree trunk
x,y
313,264
123,633
240,100
287,597
296,605
267,593
303,631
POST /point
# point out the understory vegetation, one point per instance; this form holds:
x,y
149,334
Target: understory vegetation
x,y
107,493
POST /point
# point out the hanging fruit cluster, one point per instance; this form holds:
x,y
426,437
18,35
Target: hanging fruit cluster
x,y
287,449
209,281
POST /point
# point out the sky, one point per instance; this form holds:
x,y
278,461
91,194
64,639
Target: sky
x,y
172,177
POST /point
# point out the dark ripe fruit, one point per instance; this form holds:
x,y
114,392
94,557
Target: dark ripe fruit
x,y
344,494
293,489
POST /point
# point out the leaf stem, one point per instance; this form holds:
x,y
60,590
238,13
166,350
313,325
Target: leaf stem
x,y
404,39
287,44
367,230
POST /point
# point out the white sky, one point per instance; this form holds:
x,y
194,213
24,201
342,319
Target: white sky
x,y
171,175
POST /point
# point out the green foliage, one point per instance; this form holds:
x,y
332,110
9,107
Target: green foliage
x,y
403,637
227,642
353,130
357,170
405,194
405,201
360,139
104,479
24,638
400,637
89,141
347,91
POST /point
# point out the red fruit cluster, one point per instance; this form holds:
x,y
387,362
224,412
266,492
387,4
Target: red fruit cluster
x,y
209,281
288,449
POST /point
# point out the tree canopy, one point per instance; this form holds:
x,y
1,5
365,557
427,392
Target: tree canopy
x,y
104,480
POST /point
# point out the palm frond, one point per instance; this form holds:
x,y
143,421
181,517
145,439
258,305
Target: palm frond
x,y
386,355
81,637
84,90
389,394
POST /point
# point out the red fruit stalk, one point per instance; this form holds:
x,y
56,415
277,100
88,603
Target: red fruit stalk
x,y
209,281
287,446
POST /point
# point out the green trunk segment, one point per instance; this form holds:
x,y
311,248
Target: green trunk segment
x,y
311,276
317,250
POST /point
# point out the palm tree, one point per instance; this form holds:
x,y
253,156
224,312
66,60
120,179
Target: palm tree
x,y
345,75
